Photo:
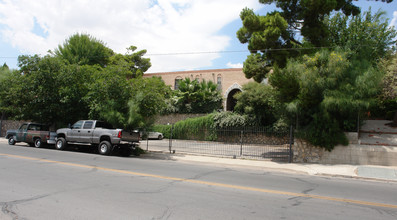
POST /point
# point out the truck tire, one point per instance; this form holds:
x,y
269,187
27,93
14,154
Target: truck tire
x,y
104,148
60,144
11,140
38,143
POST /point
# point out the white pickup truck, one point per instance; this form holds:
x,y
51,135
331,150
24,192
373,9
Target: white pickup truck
x,y
98,134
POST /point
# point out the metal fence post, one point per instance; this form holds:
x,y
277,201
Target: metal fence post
x,y
147,140
241,143
291,139
170,144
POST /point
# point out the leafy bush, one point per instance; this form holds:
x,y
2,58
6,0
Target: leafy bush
x,y
193,96
324,132
199,128
258,101
232,120
204,128
331,91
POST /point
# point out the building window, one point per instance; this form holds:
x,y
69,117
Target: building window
x,y
219,81
177,81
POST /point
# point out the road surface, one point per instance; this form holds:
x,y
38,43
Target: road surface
x,y
49,184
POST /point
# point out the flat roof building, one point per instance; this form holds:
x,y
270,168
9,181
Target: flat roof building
x,y
229,81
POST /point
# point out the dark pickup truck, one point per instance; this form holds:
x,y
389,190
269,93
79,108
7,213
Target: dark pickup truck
x,y
34,134
98,134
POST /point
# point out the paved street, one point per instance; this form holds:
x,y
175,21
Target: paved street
x,y
50,184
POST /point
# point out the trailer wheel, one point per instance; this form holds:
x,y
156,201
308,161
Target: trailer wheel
x,y
11,140
104,148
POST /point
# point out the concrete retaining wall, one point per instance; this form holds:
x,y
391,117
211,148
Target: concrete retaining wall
x,y
353,154
361,155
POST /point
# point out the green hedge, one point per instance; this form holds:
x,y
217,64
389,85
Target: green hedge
x,y
200,128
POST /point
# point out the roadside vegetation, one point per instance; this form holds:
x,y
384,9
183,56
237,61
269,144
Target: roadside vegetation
x,y
84,79
323,80
340,68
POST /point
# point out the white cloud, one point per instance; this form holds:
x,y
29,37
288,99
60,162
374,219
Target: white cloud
x,y
393,22
161,27
234,65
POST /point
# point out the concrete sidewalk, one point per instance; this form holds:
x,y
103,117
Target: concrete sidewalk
x,y
341,170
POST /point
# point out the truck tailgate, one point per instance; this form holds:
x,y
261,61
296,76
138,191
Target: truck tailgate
x,y
130,136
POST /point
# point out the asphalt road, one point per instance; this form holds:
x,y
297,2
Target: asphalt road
x,y
49,184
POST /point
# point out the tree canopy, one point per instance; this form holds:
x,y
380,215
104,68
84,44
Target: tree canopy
x,y
132,64
84,49
324,78
297,29
81,79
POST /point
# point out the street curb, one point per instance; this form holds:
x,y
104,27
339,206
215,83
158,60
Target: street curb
x,y
305,169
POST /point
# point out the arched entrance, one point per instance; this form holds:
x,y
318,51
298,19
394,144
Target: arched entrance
x,y
231,101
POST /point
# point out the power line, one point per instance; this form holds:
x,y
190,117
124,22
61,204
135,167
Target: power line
x,y
221,51
232,51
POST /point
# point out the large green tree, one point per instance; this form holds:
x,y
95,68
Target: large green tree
x,y
83,49
388,98
81,79
325,93
273,38
47,90
131,65
6,82
367,36
108,96
148,101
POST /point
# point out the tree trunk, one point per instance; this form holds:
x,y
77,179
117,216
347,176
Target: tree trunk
x,y
395,118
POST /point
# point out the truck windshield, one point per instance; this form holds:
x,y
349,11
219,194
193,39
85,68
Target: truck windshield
x,y
77,125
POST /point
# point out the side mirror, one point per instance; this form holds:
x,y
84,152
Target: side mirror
x,y
69,126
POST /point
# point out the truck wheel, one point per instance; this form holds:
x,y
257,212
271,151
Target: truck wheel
x,y
105,147
38,143
60,144
11,140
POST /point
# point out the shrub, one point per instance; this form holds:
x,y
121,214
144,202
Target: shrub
x,y
232,120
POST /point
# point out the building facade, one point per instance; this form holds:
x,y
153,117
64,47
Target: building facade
x,y
229,81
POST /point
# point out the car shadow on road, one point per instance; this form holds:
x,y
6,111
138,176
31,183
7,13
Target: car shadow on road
x,y
155,156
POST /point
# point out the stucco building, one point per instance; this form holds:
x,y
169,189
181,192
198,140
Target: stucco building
x,y
229,81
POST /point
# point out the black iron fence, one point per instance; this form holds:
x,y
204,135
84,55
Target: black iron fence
x,y
249,143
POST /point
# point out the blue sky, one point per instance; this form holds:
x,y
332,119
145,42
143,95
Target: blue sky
x,y
163,27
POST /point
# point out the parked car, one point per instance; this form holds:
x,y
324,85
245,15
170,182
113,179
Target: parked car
x,y
152,135
98,134
34,134
155,135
